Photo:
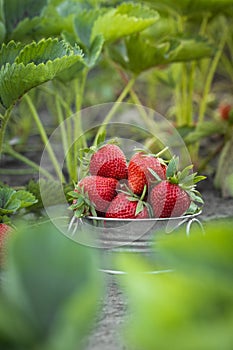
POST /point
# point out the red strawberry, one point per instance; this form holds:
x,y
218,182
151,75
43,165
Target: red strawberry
x,y
109,161
168,199
93,193
124,206
224,111
139,174
4,232
173,197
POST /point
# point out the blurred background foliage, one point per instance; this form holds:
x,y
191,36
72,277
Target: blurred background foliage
x,y
191,307
50,290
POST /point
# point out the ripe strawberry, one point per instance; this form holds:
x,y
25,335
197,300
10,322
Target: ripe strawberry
x,y
93,193
109,161
128,206
168,199
4,232
139,173
173,197
224,111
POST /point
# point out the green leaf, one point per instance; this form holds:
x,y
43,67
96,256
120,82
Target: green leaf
x,y
101,138
51,22
54,298
184,173
172,167
94,51
26,198
10,314
9,52
192,306
206,128
83,24
139,208
210,254
2,22
143,55
35,64
140,53
194,7
11,207
156,176
195,197
16,11
5,196
198,178
188,49
124,20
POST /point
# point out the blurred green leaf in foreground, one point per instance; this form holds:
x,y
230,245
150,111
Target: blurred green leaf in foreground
x,y
190,308
49,291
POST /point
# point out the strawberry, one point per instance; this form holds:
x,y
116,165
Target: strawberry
x,y
128,206
173,197
224,111
4,232
139,174
93,193
168,199
109,161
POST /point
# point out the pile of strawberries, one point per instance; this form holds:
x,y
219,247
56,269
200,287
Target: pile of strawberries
x,y
145,186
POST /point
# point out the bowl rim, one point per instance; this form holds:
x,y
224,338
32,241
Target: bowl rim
x,y
183,217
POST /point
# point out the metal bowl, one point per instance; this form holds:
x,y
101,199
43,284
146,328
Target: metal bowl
x,y
135,234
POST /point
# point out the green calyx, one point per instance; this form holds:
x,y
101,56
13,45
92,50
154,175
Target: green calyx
x,y
145,153
82,206
132,197
186,180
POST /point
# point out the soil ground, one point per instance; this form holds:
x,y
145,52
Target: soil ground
x,y
114,312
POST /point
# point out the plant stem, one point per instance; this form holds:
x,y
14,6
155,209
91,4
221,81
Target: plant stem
x,y
190,93
78,130
44,138
9,150
18,171
3,123
64,135
210,77
114,108
184,91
